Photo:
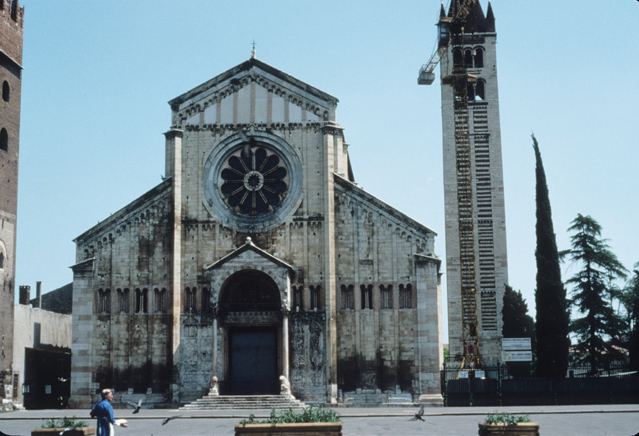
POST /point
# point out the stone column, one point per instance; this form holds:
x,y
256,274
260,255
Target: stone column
x,y
285,351
429,329
332,136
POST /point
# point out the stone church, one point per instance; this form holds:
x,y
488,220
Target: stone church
x,y
258,256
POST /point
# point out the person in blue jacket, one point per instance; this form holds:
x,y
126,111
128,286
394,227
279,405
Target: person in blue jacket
x,y
103,411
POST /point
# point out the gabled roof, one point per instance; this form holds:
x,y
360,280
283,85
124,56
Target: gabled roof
x,y
380,205
251,64
249,245
132,207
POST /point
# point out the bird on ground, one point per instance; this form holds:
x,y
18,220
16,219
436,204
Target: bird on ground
x,y
418,415
66,430
137,406
4,434
168,418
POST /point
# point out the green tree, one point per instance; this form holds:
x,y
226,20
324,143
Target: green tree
x,y
630,300
552,320
517,324
597,328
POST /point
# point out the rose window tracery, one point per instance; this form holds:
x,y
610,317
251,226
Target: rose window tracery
x,y
254,181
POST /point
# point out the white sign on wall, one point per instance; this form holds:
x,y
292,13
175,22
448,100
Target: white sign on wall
x,y
516,344
516,356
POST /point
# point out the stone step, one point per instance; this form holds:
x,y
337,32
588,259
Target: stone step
x,y
217,402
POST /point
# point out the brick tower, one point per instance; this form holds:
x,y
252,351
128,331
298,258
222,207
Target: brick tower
x,y
472,139
11,30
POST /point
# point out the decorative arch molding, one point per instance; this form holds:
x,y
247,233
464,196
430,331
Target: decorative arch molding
x,y
250,258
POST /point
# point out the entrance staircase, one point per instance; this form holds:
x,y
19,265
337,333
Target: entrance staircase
x,y
226,402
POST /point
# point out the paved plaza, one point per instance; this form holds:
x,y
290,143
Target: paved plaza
x,y
599,420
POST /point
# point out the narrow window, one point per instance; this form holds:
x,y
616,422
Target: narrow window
x,y
298,297
347,293
405,297
468,59
1,260
4,140
386,296
480,90
6,91
104,300
190,300
207,306
457,57
315,297
141,300
471,92
160,300
479,58
367,296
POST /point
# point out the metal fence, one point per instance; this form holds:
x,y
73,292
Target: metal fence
x,y
496,387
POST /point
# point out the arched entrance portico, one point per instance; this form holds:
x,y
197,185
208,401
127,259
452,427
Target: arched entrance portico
x,y
250,314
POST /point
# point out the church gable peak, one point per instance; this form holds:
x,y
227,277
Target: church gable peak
x,y
253,92
251,254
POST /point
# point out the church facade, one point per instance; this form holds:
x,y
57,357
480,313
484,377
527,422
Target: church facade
x,y
257,257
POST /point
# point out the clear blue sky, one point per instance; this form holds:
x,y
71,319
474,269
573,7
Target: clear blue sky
x,y
98,74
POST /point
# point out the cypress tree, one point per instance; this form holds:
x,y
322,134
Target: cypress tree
x,y
552,321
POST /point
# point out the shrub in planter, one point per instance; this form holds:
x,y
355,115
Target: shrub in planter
x,y
505,424
70,427
311,421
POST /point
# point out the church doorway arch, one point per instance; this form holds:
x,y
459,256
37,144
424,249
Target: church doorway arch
x,y
250,311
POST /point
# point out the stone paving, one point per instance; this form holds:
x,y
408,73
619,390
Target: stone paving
x,y
595,420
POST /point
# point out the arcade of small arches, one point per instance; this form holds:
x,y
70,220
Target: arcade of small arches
x,y
384,300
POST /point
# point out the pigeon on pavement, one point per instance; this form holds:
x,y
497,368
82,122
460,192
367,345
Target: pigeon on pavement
x,y
418,415
168,418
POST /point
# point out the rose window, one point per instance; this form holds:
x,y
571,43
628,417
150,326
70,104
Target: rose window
x,y
254,181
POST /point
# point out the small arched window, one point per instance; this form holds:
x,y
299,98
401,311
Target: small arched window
x,y
298,297
141,300
315,297
4,140
348,302
468,59
207,305
457,57
1,260
385,297
480,90
367,296
6,91
190,300
479,58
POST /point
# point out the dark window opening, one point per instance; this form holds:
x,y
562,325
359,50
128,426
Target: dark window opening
x,y
141,300
367,296
4,140
6,91
190,305
315,297
385,297
479,58
468,59
207,305
347,294
457,57
298,298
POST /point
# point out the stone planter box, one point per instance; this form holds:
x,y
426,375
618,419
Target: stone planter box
x,y
301,429
520,429
79,431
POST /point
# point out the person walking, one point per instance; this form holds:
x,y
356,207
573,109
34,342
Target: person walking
x,y
103,411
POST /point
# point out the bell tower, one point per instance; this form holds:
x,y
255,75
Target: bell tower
x,y
476,258
11,30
